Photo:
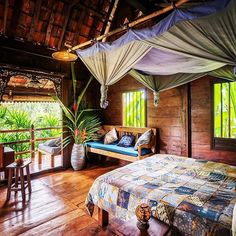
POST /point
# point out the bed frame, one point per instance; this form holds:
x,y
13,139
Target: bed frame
x,y
103,217
137,132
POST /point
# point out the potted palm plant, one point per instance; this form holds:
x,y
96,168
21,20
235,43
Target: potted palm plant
x,y
82,124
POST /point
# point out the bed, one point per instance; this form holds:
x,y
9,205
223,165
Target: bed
x,y
195,196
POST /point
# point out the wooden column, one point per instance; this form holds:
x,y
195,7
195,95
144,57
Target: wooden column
x,y
32,142
1,155
66,152
189,121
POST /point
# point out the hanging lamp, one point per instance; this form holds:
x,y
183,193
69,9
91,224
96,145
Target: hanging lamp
x,y
64,56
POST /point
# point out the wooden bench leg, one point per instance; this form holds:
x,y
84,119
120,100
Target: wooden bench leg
x,y
52,161
103,217
40,157
9,184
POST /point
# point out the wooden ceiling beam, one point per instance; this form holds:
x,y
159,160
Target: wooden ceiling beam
x,y
15,18
50,24
66,22
143,7
89,9
78,27
132,24
5,16
35,19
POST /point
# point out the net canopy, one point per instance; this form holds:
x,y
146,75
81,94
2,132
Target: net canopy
x,y
185,46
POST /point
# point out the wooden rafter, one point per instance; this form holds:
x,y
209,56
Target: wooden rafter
x,y
35,19
66,22
89,9
93,28
79,25
111,16
132,24
142,6
5,16
15,17
50,24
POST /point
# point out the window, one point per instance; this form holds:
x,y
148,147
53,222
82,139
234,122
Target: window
x,y
134,108
224,115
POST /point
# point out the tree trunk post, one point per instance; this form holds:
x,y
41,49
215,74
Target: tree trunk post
x,y
32,149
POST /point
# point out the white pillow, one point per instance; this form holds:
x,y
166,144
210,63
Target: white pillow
x,y
111,137
143,139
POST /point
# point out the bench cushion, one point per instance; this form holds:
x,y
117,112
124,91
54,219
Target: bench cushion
x,y
50,150
114,148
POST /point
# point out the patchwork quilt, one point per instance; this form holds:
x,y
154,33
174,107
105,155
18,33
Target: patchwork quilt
x,y
195,196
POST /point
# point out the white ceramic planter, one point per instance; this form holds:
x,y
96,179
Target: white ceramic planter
x,y
78,157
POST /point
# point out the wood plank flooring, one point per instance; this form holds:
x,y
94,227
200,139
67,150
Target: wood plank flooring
x,y
55,207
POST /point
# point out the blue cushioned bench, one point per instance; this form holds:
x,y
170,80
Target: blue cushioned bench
x,y
123,153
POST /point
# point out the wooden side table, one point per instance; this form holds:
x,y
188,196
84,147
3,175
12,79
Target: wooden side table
x,y
129,228
19,179
6,158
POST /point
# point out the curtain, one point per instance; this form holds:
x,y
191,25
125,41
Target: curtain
x,y
159,83
185,45
226,72
210,37
109,67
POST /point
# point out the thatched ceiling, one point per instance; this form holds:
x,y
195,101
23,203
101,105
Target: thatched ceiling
x,y
51,23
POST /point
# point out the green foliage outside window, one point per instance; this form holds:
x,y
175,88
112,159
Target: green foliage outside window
x,y
225,110
22,116
134,108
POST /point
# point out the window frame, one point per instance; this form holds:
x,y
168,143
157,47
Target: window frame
x,y
219,143
145,105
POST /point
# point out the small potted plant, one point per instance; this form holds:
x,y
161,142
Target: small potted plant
x,y
81,123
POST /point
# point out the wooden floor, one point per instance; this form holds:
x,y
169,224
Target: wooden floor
x,y
55,207
35,167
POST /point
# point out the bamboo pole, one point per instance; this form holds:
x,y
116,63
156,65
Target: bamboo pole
x,y
113,11
130,25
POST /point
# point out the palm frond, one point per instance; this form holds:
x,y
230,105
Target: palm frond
x,y
74,81
80,97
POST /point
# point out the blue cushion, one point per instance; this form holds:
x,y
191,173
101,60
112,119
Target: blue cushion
x,y
114,148
126,141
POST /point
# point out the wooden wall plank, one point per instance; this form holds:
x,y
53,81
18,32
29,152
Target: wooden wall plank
x,y
171,117
201,124
168,116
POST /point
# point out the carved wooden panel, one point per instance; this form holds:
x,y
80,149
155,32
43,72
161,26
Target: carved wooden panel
x,y
6,72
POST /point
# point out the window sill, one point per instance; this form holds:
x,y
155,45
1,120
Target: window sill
x,y
225,144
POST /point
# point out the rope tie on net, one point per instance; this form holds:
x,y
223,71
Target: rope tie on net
x,y
103,101
156,98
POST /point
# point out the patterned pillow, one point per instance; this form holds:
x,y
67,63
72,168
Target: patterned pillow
x,y
126,141
110,137
144,139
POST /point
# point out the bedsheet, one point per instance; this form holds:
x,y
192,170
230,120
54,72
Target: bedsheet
x,y
195,196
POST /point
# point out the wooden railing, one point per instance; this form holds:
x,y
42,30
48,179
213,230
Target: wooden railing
x,y
32,139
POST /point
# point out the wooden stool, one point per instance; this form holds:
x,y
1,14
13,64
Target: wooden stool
x,y
19,173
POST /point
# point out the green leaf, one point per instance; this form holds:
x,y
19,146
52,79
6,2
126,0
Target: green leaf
x,y
80,97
